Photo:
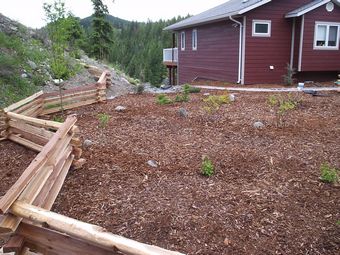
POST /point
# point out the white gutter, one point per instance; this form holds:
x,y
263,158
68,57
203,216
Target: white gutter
x,y
240,50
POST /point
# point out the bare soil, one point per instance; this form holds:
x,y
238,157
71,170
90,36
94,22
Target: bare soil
x,y
264,198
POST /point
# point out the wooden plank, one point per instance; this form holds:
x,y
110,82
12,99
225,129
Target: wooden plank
x,y
70,106
41,198
31,145
23,102
35,122
73,90
12,194
57,185
68,101
14,244
10,223
33,112
35,102
31,129
72,94
85,232
37,139
57,242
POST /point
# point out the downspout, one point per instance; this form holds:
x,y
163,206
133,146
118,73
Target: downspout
x,y
240,50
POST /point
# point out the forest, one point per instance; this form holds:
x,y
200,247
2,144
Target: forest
x,y
137,47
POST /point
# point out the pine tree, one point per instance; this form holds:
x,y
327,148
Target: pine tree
x,y
102,31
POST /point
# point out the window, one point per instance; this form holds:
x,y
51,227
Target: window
x,y
183,41
262,28
326,36
194,39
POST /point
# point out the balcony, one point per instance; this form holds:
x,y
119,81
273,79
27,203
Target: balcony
x,y
170,56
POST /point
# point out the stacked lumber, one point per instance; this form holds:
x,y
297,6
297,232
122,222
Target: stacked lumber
x,y
76,97
3,125
30,106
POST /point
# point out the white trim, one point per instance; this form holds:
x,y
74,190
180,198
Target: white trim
x,y
301,42
253,6
263,22
194,39
327,24
292,50
244,49
183,41
298,14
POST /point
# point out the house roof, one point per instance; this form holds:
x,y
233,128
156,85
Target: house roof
x,y
223,11
307,8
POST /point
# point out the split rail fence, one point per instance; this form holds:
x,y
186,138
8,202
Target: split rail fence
x,y
26,222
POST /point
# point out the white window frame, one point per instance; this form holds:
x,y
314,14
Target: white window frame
x,y
183,40
263,22
194,39
327,24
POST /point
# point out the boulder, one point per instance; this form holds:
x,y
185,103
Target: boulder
x,y
183,113
258,125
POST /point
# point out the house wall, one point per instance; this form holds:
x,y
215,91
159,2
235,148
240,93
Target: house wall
x,y
216,57
263,52
319,60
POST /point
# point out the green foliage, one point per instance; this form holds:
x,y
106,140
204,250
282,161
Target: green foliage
x,y
329,174
213,103
163,100
103,119
282,105
101,37
207,167
58,118
338,223
288,78
189,89
139,89
133,81
184,97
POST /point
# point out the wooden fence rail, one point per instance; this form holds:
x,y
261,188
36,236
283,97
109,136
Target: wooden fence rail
x,y
26,205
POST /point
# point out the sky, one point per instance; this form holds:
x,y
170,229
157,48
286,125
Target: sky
x,y
31,14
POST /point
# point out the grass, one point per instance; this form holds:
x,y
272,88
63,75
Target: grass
x,y
213,103
189,89
329,174
163,100
103,119
207,168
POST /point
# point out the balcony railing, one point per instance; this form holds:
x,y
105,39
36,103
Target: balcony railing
x,y
170,55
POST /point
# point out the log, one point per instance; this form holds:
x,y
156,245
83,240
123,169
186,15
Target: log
x,y
35,102
23,102
85,232
59,243
35,122
73,90
56,103
33,112
12,194
24,142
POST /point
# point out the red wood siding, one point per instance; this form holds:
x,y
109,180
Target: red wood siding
x,y
319,60
216,56
263,52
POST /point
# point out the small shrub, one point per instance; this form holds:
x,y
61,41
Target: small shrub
x,y
213,103
288,78
139,89
184,97
58,118
132,80
282,105
103,119
207,168
163,100
189,89
338,223
329,174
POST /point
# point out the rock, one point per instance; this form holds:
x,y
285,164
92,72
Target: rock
x,y
24,75
152,163
227,242
206,94
120,108
232,97
87,143
58,81
32,64
183,113
258,125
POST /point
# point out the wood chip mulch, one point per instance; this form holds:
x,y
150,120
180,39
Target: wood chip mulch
x,y
264,198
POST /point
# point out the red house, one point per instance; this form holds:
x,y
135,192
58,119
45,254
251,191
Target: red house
x,y
252,41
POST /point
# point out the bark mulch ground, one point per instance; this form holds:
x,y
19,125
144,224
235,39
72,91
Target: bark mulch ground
x,y
264,198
